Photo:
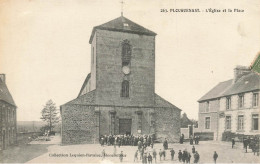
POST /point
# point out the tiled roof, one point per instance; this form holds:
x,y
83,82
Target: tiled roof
x,y
85,83
249,82
246,83
217,91
160,102
5,94
122,24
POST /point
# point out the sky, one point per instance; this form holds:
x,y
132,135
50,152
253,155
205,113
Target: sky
x,y
45,54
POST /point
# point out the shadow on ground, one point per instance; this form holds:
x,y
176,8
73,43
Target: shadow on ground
x,y
23,153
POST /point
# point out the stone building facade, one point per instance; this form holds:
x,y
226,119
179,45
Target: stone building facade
x,y
232,106
118,96
8,123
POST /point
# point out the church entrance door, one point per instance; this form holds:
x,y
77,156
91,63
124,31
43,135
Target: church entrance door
x,y
125,126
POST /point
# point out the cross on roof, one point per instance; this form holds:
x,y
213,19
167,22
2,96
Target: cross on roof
x,y
122,7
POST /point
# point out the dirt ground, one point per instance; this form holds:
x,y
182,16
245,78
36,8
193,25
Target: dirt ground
x,y
53,152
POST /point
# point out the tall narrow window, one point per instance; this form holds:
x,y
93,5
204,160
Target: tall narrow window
x,y
228,103
207,106
255,99
207,123
241,101
255,122
228,122
125,89
126,53
240,122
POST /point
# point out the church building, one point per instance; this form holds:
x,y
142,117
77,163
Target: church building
x,y
118,96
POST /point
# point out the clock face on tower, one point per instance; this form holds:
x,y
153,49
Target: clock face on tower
x,y
126,70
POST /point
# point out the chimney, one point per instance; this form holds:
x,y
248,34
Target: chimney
x,y
2,77
240,71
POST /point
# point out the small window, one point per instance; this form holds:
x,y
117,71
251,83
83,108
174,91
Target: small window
x,y
125,89
228,122
207,106
207,123
240,122
228,103
241,101
255,122
255,99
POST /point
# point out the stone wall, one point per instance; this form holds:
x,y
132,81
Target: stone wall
x,y
167,124
109,75
78,124
8,125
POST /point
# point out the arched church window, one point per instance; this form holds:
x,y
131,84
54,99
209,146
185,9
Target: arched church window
x,y
126,53
125,89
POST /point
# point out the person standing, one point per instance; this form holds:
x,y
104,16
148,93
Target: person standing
x,y
121,156
180,155
196,157
136,156
154,155
193,150
103,154
172,154
233,142
165,144
145,158
150,158
184,156
188,158
215,157
160,154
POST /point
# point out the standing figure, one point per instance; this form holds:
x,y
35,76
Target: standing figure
x,y
121,156
196,157
184,156
233,142
145,158
160,154
154,155
103,154
215,157
180,155
193,150
150,158
191,140
188,158
172,154
136,156
165,144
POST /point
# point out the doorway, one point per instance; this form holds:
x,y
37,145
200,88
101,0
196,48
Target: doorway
x,y
125,126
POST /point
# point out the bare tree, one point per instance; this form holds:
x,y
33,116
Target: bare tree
x,y
50,114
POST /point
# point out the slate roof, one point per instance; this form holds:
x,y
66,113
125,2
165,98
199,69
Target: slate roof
x,y
85,83
160,102
217,91
246,83
5,95
118,25
86,99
